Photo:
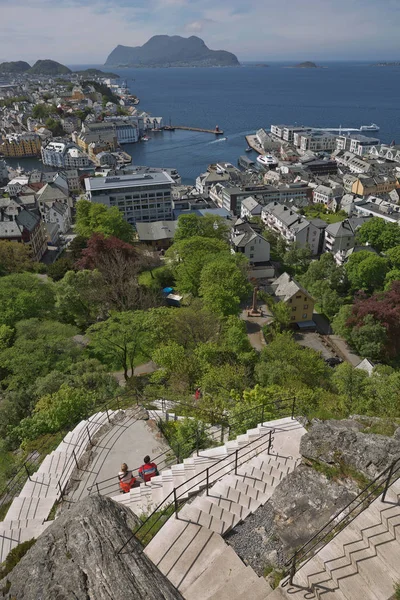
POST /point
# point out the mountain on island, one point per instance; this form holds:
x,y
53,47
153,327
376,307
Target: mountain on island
x,y
49,67
306,65
16,66
171,51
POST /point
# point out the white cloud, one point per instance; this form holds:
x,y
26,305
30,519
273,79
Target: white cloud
x,y
199,25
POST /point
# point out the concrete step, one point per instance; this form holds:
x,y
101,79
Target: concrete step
x,y
182,551
249,473
344,575
235,495
54,462
249,487
194,514
11,538
19,524
219,499
41,485
264,460
29,508
205,504
242,584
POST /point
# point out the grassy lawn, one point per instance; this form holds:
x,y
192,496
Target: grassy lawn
x,y
316,212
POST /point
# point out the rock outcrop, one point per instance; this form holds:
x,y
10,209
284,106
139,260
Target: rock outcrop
x,y
332,442
313,493
76,557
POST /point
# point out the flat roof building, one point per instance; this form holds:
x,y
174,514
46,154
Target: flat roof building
x,y
143,197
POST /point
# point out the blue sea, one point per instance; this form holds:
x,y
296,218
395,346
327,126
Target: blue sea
x,y
241,100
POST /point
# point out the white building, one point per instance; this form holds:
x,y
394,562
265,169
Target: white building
x,y
58,214
245,239
292,226
58,153
140,197
250,208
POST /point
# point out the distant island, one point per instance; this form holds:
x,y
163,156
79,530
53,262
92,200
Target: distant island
x,y
17,66
49,67
96,73
387,64
306,65
171,51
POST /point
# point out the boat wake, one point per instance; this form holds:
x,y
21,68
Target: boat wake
x,y
218,140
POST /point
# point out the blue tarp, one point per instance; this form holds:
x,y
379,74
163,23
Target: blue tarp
x,y
168,290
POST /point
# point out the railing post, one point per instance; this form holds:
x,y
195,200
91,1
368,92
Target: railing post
x,y
207,480
97,488
90,439
108,417
212,418
61,490
178,457
175,502
197,441
27,471
292,569
222,434
236,460
293,406
262,414
269,441
76,460
388,481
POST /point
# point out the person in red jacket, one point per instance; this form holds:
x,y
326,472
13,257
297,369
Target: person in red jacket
x,y
148,470
126,479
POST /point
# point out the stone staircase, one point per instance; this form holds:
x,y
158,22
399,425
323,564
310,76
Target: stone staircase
x,y
189,549
361,563
28,513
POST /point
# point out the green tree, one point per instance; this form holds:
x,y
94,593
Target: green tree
x,y
369,339
54,126
393,275
340,321
80,298
282,315
24,296
286,364
209,226
379,234
97,218
393,255
223,284
366,271
297,259
57,411
350,383
39,347
190,256
60,267
120,340
14,258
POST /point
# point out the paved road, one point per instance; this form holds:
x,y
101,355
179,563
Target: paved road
x,y
144,369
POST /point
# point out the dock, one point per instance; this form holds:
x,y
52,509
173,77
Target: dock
x,y
216,131
253,143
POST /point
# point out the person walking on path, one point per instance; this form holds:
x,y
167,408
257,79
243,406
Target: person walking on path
x,y
126,479
148,469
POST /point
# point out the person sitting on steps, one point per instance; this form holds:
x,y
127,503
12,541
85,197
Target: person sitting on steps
x,y
126,479
148,470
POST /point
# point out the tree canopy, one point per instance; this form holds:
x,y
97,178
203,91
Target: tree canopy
x,y
14,258
24,296
366,271
379,234
207,226
98,218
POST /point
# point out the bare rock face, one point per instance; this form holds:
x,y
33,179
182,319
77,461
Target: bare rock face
x,y
301,504
76,558
332,442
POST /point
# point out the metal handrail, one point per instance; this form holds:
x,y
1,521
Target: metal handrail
x,y
225,424
304,554
174,497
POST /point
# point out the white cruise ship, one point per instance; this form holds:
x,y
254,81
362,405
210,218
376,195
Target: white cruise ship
x,y
267,160
372,127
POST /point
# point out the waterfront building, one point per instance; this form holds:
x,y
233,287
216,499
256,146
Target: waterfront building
x,y
21,145
124,129
139,196
316,141
59,153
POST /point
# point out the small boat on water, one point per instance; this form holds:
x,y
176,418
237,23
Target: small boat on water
x,y
248,149
145,138
267,160
372,127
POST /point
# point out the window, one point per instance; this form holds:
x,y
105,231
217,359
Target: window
x,y
251,255
304,316
290,301
251,248
305,306
298,296
293,318
293,309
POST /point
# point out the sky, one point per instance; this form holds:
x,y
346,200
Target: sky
x,y
86,31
